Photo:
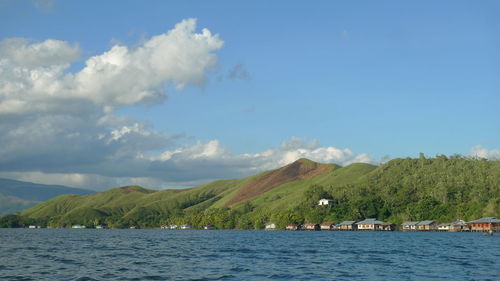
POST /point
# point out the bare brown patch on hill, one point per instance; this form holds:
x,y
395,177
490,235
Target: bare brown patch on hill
x,y
298,170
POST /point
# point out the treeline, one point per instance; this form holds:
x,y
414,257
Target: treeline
x,y
441,189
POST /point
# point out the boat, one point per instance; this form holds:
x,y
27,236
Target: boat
x,y
489,233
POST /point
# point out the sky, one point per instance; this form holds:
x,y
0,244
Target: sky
x,y
169,94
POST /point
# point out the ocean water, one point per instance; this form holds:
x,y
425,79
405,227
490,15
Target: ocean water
x,y
112,254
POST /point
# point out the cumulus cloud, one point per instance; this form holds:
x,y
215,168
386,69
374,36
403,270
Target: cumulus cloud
x,y
482,152
33,75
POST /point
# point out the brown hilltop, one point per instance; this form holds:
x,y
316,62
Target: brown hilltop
x,y
298,170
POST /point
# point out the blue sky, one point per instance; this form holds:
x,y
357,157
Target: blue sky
x,y
376,78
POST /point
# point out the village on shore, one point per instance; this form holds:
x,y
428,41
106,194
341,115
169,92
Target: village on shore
x,y
371,224
486,224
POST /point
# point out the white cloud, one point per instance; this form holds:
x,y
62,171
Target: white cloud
x,y
46,53
482,152
33,75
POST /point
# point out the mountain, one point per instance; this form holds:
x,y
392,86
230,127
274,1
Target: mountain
x,y
438,188
16,196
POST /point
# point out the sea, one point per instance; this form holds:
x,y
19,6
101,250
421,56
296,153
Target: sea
x,y
154,254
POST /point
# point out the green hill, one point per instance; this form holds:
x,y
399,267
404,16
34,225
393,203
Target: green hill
x,y
439,188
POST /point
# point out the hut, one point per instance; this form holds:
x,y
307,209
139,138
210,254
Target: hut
x,y
312,226
78,226
326,202
270,226
409,226
485,224
347,225
445,226
388,226
459,226
371,224
293,227
427,225
327,226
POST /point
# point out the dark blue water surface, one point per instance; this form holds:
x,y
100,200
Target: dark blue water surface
x,y
91,254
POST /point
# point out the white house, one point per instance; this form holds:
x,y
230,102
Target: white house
x,y
270,226
78,226
326,202
445,226
409,225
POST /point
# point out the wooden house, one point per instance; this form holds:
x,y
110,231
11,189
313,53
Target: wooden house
x,y
371,224
270,226
312,226
293,227
485,224
327,226
346,225
326,202
459,226
409,226
388,226
427,225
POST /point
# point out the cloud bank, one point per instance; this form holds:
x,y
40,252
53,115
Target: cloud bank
x,y
189,165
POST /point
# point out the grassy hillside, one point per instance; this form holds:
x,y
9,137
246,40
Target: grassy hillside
x,y
403,189
16,196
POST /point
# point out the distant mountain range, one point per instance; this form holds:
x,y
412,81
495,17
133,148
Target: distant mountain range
x,y
16,196
441,189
